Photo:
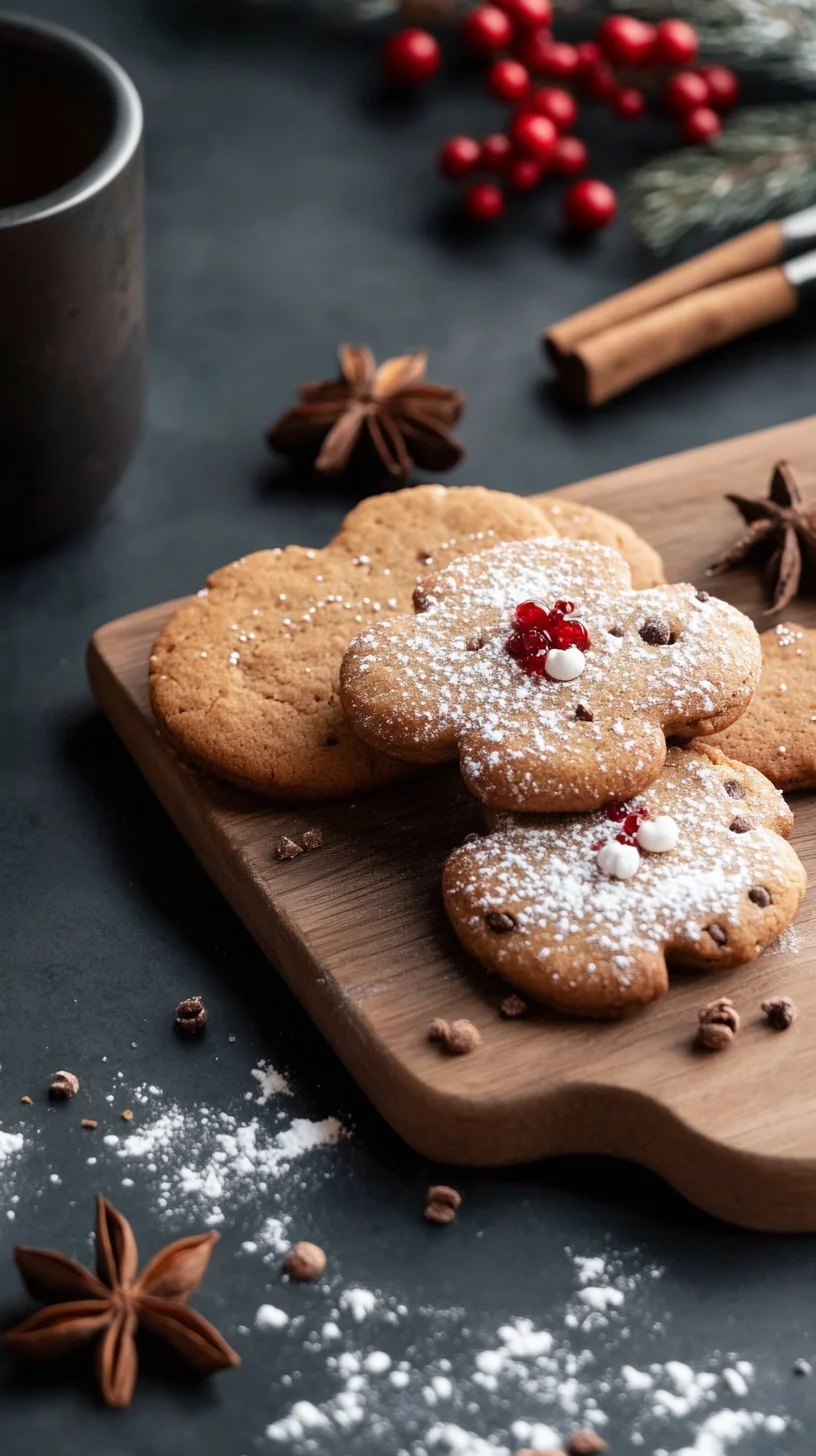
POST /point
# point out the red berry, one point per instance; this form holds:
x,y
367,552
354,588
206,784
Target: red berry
x,y
676,43
495,152
523,174
559,59
589,205
410,57
458,156
723,86
507,80
483,202
629,102
626,41
700,125
684,91
558,105
569,157
486,29
533,48
589,54
599,81
534,136
528,13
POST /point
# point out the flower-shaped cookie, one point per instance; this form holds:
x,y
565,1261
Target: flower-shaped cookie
x,y
582,911
548,676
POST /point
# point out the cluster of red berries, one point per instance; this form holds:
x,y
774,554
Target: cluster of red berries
x,y
537,140
630,817
536,631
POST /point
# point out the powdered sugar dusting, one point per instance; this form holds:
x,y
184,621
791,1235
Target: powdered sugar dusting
x,y
446,677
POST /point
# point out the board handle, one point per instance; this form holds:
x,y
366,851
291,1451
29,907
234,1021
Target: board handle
x,y
609,363
759,248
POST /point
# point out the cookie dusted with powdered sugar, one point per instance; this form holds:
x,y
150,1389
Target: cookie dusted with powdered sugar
x,y
553,682
777,734
583,911
576,521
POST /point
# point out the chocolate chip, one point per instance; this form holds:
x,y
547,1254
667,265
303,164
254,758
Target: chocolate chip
x,y
312,839
734,789
439,1213
615,631
441,1193
513,1007
656,631
714,1036
780,1011
703,596
721,1012
191,1016
740,825
584,714
500,923
718,935
287,849
475,643
759,895
64,1084
304,1262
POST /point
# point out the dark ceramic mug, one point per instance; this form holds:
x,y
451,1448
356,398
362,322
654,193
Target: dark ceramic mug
x,y
72,338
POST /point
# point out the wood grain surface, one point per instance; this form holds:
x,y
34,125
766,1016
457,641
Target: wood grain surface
x,y
358,931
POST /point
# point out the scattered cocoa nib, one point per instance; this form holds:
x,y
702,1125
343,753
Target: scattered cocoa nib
x,y
780,1011
586,1443
656,631
127,1115
499,922
287,849
27,1101
462,1037
441,1193
63,1085
512,1007
191,1016
90,1123
718,935
740,825
304,1262
719,1023
734,789
584,714
312,839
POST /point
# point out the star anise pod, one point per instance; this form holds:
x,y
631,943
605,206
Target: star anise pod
x,y
109,1307
383,420
781,532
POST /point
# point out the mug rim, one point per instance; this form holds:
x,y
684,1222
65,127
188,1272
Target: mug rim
x,y
122,143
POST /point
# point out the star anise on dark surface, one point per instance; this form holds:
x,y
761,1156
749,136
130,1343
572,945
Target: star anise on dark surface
x,y
781,532
109,1307
383,421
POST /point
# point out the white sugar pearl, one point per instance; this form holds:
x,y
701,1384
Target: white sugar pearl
x,y
620,861
658,835
564,664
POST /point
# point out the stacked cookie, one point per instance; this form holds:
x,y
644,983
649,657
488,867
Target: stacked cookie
x,y
538,646
556,685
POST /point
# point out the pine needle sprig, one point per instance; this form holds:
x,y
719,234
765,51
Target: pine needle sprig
x,y
763,164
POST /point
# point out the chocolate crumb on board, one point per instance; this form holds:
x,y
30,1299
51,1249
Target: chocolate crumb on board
x,y
90,1123
287,849
443,1193
27,1101
780,1011
719,1023
462,1037
513,1007
191,1016
63,1085
586,1443
439,1213
438,1030
304,1262
312,839
127,1115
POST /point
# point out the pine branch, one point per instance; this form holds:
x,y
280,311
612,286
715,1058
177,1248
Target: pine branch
x,y
763,164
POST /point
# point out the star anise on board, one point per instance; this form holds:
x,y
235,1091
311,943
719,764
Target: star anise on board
x,y
382,420
109,1308
781,532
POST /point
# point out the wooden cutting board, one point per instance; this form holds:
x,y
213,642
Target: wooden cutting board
x,y
358,931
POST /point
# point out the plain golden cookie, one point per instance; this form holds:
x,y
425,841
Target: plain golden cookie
x,y
584,911
556,726
777,732
578,522
244,677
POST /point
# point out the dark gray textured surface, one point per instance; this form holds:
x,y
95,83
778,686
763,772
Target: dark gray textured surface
x,y
288,209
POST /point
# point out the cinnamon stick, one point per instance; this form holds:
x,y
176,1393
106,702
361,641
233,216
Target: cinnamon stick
x,y
609,362
751,251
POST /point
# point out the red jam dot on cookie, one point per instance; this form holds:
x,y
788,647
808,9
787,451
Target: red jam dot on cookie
x,y
538,632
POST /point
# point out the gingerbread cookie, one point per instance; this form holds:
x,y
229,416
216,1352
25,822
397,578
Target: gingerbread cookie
x,y
777,733
578,522
244,677
583,911
550,679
